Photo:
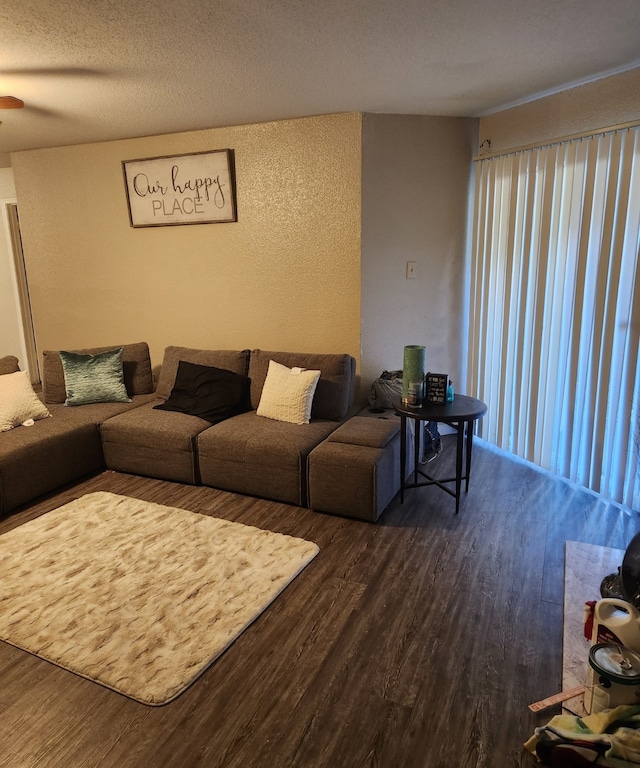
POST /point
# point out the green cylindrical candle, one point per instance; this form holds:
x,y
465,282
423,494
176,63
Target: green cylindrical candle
x,y
413,372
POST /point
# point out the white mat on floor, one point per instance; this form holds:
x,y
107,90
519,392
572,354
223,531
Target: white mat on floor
x,y
139,597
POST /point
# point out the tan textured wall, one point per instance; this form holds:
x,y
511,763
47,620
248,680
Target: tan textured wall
x,y
285,276
603,103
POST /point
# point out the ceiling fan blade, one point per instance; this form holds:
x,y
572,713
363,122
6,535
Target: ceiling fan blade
x,y
10,102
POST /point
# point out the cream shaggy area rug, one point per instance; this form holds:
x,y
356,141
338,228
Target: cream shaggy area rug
x,y
139,597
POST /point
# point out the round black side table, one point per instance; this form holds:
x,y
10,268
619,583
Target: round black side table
x,y
460,415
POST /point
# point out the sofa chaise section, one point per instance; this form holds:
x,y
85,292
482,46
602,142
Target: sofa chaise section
x,y
55,451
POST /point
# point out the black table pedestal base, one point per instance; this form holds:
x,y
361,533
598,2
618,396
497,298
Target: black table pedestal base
x,y
460,415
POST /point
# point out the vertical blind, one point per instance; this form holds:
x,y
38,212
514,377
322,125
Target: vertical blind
x,y
555,308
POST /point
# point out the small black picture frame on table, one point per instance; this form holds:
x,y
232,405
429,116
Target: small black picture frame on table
x,y
436,387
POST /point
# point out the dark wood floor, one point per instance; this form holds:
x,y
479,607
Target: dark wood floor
x,y
418,641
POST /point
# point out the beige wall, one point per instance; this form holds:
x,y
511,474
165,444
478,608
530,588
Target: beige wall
x,y
416,174
7,184
285,276
330,209
11,335
601,104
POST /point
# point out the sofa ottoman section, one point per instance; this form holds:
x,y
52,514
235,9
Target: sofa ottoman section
x,y
355,472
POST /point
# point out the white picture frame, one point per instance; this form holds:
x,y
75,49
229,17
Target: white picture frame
x,y
173,190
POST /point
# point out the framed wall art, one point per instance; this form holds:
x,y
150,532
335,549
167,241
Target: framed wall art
x,y
198,188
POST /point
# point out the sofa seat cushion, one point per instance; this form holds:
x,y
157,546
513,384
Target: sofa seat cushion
x,y
361,430
154,443
260,457
97,413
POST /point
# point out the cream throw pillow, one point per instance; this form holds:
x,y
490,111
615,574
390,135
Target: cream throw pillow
x,y
287,394
18,401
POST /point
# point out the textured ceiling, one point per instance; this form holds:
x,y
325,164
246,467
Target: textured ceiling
x,y
93,70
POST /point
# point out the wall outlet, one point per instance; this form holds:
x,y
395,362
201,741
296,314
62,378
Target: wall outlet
x,y
412,270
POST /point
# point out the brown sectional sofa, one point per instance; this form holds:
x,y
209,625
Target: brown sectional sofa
x,y
246,453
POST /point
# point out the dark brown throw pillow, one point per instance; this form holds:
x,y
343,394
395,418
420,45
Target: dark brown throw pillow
x,y
213,394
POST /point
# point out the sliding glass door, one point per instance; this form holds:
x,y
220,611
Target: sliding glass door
x,y
555,308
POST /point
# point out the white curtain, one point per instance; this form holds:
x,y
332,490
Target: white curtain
x,y
555,308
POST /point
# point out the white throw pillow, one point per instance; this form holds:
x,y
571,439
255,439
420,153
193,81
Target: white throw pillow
x,y
18,401
287,394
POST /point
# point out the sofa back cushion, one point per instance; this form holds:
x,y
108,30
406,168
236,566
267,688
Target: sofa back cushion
x,y
335,390
229,359
136,365
8,364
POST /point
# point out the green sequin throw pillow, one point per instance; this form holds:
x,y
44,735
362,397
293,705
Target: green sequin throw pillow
x,y
94,378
